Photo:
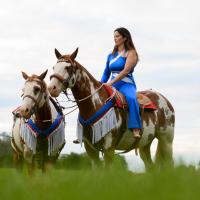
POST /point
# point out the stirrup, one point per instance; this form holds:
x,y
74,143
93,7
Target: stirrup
x,y
138,136
76,141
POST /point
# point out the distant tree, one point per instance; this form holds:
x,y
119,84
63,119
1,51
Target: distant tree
x,y
82,161
5,150
73,161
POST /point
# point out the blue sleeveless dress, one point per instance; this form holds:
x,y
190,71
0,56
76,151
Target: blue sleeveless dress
x,y
115,63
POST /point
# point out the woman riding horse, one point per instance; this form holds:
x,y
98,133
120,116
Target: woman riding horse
x,y
121,63
104,127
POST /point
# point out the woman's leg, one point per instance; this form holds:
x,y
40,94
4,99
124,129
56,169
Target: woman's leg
x,y
134,122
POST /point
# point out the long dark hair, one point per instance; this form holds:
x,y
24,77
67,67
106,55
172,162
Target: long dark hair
x,y
128,42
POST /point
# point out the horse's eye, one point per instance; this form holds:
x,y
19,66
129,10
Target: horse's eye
x,y
36,89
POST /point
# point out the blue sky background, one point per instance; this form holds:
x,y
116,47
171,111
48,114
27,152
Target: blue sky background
x,y
165,33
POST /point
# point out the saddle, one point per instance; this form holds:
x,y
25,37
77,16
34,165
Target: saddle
x,y
119,99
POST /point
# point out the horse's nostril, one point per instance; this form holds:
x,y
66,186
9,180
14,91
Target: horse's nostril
x,y
26,110
54,87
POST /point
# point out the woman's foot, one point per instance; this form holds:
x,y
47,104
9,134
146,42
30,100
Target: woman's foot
x,y
136,133
76,141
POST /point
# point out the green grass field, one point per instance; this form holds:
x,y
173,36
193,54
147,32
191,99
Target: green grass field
x,y
181,183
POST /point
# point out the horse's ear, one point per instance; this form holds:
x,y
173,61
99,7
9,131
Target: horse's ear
x,y
25,75
42,76
58,54
74,54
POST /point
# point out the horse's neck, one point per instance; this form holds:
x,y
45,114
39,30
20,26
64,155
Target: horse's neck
x,y
43,116
86,85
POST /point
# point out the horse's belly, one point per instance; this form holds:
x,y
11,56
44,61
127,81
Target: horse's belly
x,y
126,141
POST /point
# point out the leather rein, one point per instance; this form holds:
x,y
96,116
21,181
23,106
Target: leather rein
x,y
65,83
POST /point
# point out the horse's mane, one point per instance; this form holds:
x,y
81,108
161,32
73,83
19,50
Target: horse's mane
x,y
78,65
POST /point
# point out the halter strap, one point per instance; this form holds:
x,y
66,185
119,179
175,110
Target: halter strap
x,y
60,78
29,96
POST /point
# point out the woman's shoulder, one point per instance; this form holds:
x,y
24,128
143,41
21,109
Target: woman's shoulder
x,y
109,55
130,52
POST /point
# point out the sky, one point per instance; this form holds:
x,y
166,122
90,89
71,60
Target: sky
x,y
165,33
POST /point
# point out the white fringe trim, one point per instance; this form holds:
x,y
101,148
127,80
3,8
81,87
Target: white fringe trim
x,y
28,137
99,128
55,140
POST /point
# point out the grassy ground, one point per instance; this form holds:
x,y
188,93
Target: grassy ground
x,y
182,183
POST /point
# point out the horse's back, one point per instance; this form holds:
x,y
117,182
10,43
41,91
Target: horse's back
x,y
160,100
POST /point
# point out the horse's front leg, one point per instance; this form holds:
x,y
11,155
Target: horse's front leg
x,y
109,150
93,154
108,157
28,157
17,161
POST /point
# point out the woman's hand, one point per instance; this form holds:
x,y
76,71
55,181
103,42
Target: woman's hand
x,y
110,83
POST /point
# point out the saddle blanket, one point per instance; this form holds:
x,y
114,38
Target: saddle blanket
x,y
120,100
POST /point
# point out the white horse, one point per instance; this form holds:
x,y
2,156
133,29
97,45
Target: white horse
x,y
38,128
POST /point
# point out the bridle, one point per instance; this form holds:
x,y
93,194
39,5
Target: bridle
x,y
65,83
36,101
32,98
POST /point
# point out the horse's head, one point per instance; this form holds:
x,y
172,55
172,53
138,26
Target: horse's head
x,y
64,73
34,94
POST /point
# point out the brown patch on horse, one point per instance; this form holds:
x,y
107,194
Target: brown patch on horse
x,y
162,121
172,120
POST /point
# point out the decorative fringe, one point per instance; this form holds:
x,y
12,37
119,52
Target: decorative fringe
x,y
28,137
99,128
56,139
104,125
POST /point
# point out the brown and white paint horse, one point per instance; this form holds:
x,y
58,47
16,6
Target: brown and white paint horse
x,y
159,123
37,106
